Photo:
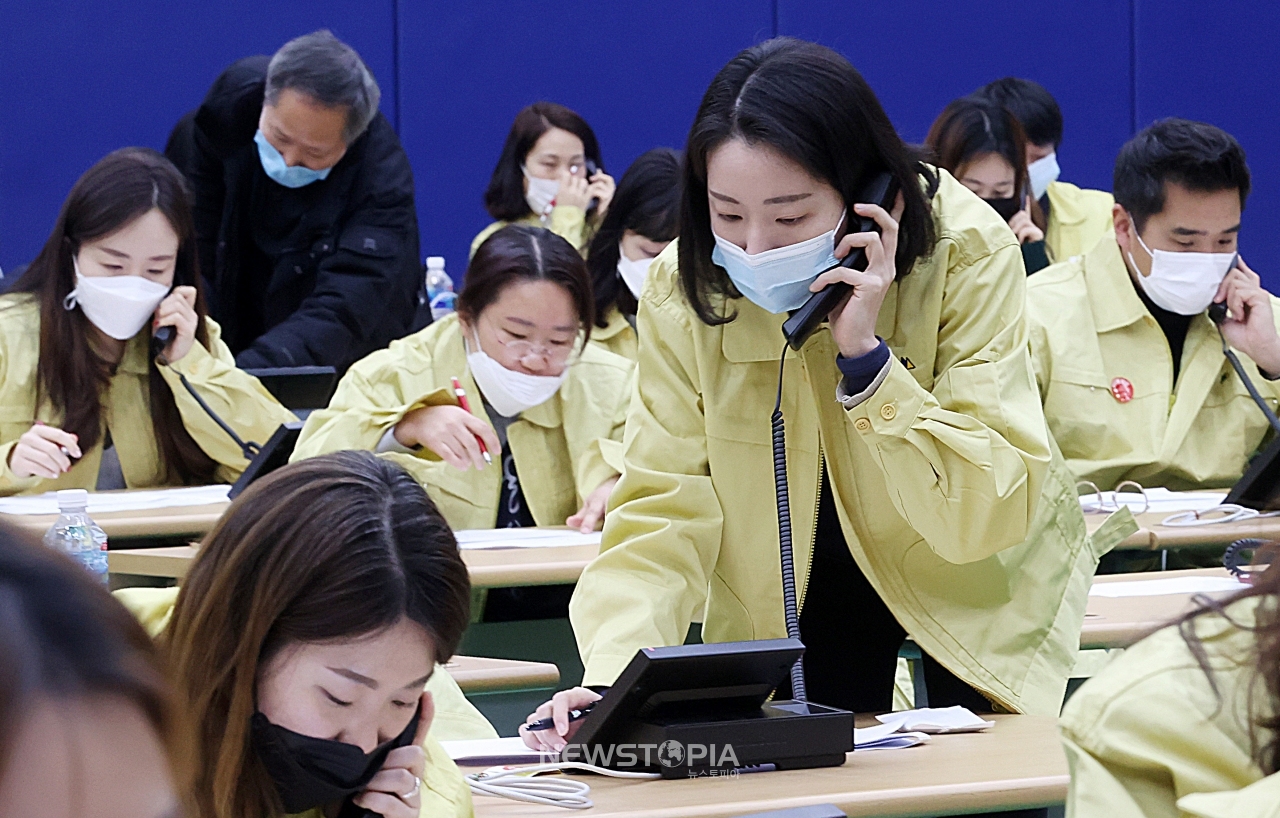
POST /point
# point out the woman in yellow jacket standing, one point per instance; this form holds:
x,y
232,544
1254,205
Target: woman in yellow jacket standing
x,y
550,174
1185,722
643,219
925,498
303,643
540,397
78,373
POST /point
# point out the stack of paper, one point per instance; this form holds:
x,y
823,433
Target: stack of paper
x,y
524,538
1154,501
108,501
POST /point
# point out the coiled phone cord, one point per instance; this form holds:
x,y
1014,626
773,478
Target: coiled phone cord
x,y
789,603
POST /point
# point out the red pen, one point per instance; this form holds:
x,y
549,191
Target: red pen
x,y
462,401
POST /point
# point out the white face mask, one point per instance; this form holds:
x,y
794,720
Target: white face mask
x,y
117,305
510,392
1184,283
1042,173
541,195
778,280
631,272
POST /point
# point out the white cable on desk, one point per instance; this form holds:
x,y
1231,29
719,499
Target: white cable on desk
x,y
1225,513
521,784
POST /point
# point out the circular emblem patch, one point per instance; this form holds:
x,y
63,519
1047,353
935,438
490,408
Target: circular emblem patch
x,y
1122,390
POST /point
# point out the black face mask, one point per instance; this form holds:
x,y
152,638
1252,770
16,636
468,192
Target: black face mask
x,y
1005,207
311,772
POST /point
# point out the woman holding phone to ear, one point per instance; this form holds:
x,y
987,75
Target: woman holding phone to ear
x,y
76,347
550,174
307,642
926,500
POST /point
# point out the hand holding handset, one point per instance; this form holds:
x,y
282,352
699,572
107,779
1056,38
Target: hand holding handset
x,y
882,191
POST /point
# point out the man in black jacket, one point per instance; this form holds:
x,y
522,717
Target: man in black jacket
x,y
305,220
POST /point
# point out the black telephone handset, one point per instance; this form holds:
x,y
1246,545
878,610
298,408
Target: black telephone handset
x,y
1218,312
161,338
882,190
592,170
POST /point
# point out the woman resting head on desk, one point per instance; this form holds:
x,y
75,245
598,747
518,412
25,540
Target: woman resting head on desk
x,y
88,728
76,346
924,495
1187,721
544,406
302,640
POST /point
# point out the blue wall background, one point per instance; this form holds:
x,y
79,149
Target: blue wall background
x,y
82,78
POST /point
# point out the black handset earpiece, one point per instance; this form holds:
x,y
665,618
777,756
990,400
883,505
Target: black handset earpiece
x,y
1218,312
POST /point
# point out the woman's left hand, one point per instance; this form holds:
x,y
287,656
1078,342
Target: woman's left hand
x,y
396,791
853,321
592,512
178,310
601,186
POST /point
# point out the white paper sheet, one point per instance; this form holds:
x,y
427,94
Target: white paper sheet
x,y
488,751
1165,587
885,737
1157,501
103,502
954,719
524,538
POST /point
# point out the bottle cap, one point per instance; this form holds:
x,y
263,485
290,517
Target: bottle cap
x,y
73,500
435,262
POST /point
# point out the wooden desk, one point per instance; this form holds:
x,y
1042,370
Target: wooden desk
x,y
489,567
1119,622
1018,764
476,674
1154,537
178,521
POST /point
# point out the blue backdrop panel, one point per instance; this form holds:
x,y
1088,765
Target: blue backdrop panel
x,y
635,71
1221,67
80,79
918,55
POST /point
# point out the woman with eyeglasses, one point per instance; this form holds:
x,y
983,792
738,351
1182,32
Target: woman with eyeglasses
x,y
545,406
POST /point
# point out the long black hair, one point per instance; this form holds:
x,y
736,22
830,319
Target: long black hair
x,y
122,187
809,104
504,198
647,202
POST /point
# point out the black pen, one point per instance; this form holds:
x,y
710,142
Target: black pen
x,y
549,724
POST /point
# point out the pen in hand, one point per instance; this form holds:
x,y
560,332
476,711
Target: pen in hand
x,y
550,723
466,405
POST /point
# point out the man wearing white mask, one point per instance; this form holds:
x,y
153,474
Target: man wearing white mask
x,y
1130,365
1076,217
304,207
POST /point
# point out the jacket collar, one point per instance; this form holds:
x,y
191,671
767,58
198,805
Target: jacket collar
x,y
1063,204
1112,299
137,354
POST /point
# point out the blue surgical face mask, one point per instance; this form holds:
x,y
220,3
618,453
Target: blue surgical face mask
x,y
274,165
778,280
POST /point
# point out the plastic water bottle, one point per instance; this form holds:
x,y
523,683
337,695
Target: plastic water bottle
x,y
77,535
440,293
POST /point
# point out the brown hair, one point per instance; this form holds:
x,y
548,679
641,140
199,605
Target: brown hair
x,y
63,636
335,547
971,127
520,252
122,187
1264,729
